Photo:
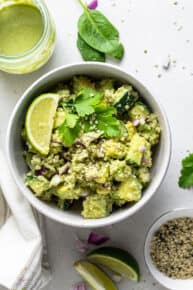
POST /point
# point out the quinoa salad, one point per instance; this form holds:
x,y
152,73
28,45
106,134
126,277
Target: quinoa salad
x,y
100,148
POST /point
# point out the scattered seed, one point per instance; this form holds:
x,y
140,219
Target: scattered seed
x,y
167,63
171,248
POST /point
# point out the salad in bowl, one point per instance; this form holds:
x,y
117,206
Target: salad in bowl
x,y
89,142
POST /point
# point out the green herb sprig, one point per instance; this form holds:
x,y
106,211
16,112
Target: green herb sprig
x,y
97,36
89,114
186,178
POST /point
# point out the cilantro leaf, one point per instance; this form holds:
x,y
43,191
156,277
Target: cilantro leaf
x,y
106,122
70,129
86,102
186,178
71,120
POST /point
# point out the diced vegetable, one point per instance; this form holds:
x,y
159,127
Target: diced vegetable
x,y
136,150
129,190
38,184
125,98
96,206
139,112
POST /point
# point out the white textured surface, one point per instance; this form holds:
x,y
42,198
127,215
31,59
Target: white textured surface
x,y
144,25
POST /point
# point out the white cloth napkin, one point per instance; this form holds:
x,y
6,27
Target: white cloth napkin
x,y
23,263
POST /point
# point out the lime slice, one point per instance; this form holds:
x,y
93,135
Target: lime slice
x,y
39,122
117,260
94,276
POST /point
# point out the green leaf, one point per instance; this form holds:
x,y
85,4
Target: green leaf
x,y
86,102
98,32
71,120
186,178
68,133
106,122
118,53
88,53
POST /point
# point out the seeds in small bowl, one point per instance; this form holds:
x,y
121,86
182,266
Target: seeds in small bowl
x,y
171,248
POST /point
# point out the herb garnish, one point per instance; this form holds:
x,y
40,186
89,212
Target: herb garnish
x,y
70,129
97,35
186,178
86,102
90,115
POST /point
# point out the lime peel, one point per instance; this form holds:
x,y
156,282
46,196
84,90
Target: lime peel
x,y
94,276
40,120
117,260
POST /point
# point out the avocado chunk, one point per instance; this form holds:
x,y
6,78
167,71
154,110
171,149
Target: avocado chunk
x,y
139,112
113,149
80,82
144,175
150,130
131,130
38,184
59,118
129,190
68,190
119,170
96,206
98,172
136,150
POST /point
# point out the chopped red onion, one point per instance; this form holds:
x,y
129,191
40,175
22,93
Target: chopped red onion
x,y
81,245
79,286
96,239
144,160
41,171
142,149
93,4
135,122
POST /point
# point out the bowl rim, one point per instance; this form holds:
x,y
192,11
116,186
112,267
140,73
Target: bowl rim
x,y
90,223
154,226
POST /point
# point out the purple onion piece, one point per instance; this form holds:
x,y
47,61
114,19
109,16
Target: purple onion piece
x,y
144,160
79,286
93,4
41,171
96,239
135,122
142,148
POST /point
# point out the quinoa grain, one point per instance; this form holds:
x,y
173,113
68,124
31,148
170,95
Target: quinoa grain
x,y
172,248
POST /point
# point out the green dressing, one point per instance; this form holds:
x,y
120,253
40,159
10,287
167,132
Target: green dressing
x,y
21,27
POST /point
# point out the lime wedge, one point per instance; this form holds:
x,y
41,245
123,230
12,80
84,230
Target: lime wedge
x,y
117,260
94,276
39,122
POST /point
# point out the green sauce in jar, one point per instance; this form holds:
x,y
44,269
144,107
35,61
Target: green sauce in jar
x,y
21,27
27,35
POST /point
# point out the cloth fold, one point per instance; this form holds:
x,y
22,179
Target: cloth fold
x,y
23,256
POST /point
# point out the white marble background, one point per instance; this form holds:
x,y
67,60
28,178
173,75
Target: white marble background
x,y
162,28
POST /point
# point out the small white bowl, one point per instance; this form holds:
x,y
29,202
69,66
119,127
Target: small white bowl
x,y
172,284
15,148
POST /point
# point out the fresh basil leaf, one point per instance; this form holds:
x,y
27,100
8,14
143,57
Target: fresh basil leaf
x,y
98,32
88,53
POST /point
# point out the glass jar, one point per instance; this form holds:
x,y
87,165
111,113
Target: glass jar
x,y
39,54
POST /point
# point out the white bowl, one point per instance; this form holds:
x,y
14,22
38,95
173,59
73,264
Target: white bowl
x,y
172,284
15,149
